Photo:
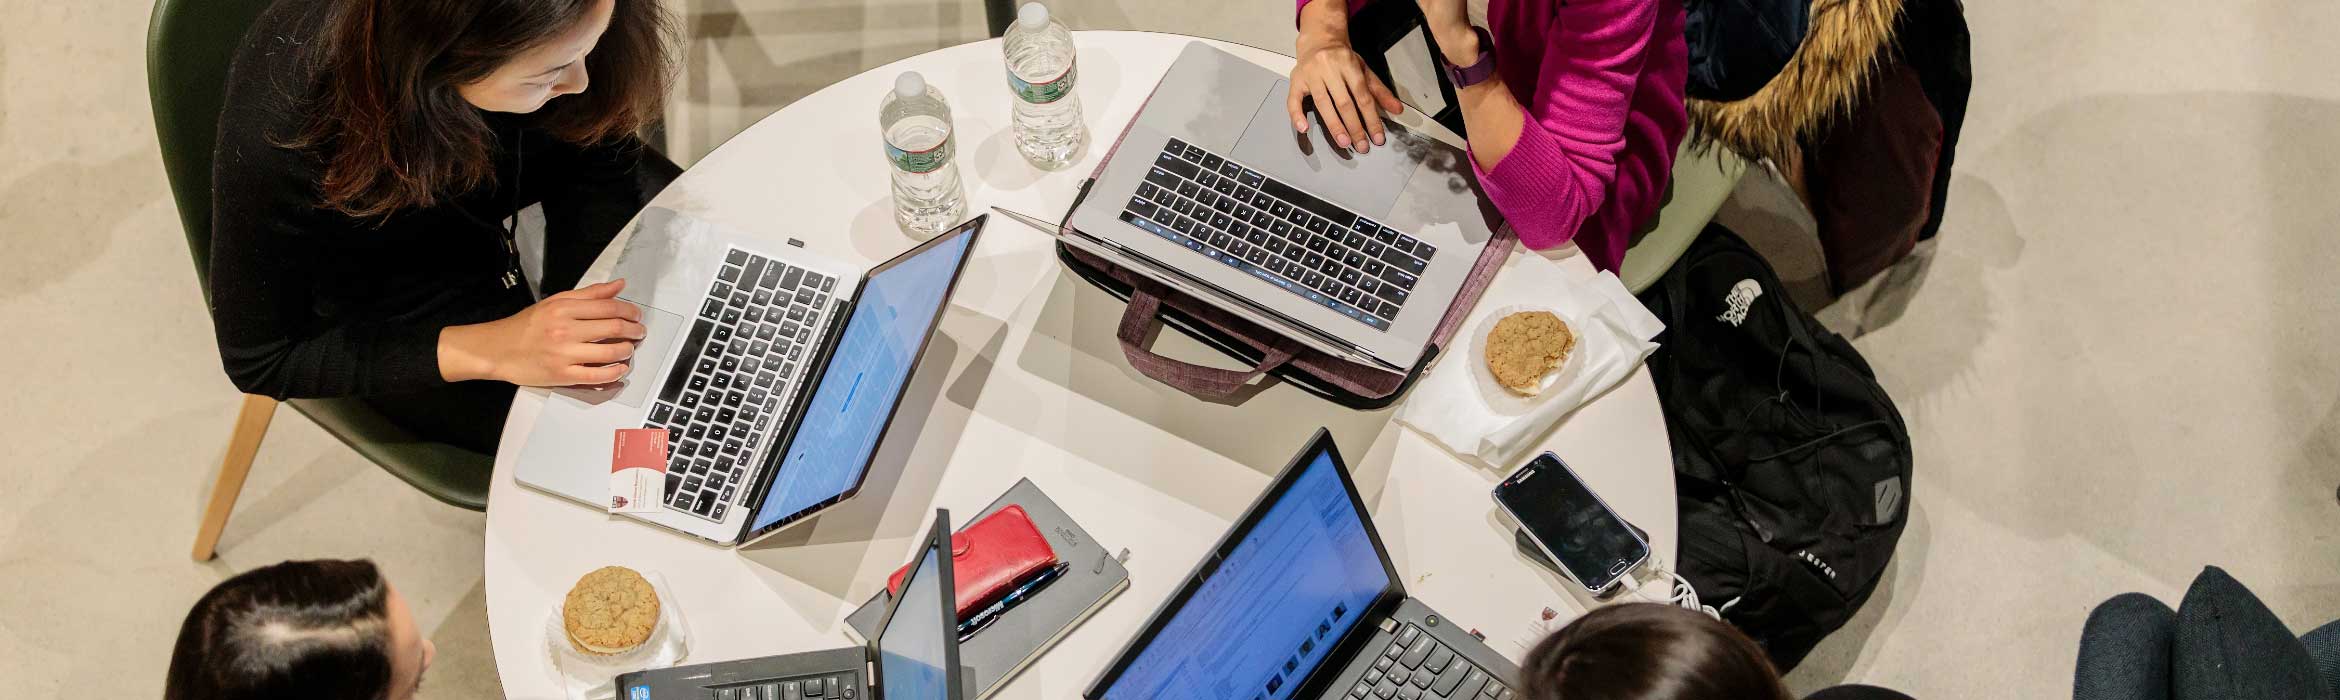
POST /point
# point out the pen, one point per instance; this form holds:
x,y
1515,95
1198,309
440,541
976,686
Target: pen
x,y
989,614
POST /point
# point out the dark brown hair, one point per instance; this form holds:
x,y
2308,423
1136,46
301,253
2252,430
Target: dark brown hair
x,y
394,133
1648,651
300,629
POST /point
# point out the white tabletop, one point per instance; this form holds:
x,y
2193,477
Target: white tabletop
x,y
1025,380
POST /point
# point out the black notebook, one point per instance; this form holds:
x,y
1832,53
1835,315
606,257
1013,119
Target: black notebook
x,y
1022,633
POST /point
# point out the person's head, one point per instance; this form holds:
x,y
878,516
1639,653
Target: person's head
x,y
401,84
300,629
1648,651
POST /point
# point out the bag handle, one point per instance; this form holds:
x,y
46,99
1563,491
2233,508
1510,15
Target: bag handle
x,y
1144,315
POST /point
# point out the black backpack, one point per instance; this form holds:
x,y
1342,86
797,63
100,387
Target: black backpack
x,y
1791,465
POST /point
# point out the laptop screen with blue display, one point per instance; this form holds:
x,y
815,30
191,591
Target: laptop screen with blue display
x,y
914,646
847,412
1273,610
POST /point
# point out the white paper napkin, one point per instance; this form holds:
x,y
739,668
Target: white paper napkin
x,y
1472,417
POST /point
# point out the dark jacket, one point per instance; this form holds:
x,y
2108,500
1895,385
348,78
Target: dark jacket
x,y
309,302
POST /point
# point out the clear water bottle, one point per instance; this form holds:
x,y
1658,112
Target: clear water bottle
x,y
928,197
1042,71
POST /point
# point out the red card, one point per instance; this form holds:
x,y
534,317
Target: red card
x,y
637,470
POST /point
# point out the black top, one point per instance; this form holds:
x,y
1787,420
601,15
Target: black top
x,y
309,302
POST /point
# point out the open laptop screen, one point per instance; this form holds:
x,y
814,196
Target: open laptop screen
x,y
911,648
848,411
1275,607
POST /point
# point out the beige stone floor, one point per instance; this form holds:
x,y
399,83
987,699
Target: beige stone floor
x,y
2121,367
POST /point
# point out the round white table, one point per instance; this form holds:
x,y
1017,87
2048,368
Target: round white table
x,y
1024,380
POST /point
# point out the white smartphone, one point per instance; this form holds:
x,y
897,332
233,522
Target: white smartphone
x,y
1570,524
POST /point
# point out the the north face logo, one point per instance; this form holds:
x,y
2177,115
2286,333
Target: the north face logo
x,y
1742,296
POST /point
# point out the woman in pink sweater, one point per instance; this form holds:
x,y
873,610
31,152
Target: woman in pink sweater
x,y
1572,135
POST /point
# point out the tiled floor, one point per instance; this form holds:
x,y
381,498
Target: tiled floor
x,y
2120,367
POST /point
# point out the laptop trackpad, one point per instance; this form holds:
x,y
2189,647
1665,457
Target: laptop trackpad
x,y
1368,181
662,330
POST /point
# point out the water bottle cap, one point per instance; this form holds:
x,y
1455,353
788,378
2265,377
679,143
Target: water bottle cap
x,y
909,84
1032,15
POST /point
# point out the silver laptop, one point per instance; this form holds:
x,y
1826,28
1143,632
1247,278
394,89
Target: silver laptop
x,y
1358,254
775,372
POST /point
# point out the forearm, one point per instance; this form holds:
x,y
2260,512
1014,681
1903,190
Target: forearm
x,y
1491,114
1322,23
463,353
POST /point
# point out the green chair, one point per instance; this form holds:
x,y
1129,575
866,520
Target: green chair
x,y
1703,180
189,44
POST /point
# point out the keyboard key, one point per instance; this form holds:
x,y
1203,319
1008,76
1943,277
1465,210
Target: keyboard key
x,y
728,274
1224,186
1159,176
689,400
1472,681
1353,239
1353,259
712,309
1446,682
1423,250
1439,657
1417,652
1221,222
1387,310
1208,180
716,433
1230,170
772,275
1398,278
1349,296
1317,225
753,270
659,412
1251,177
1393,293
1212,161
736,257
1407,692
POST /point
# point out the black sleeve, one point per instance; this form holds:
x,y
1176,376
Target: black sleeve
x,y
589,193
272,341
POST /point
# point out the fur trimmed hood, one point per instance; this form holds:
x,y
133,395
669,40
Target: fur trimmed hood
x,y
1846,41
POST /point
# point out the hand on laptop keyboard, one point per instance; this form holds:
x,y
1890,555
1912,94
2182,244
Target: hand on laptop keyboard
x,y
581,336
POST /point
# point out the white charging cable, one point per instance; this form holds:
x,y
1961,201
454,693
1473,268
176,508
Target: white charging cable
x,y
1679,594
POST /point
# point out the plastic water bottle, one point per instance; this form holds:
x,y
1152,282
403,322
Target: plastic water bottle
x,y
1041,69
928,197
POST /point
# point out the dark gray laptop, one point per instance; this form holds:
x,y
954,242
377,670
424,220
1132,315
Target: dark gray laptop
x,y
1299,601
1356,254
914,656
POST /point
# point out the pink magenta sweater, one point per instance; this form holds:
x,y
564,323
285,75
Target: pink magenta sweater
x,y
1602,81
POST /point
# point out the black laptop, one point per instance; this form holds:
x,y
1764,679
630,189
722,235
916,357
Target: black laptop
x,y
1300,601
915,655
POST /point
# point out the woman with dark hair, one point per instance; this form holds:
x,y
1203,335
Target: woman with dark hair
x,y
1650,651
301,629
371,156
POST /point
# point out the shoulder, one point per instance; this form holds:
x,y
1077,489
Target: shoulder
x,y
268,80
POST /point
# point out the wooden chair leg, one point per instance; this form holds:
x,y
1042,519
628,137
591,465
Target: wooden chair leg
x,y
243,444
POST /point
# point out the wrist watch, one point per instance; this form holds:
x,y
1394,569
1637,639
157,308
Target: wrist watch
x,y
1479,72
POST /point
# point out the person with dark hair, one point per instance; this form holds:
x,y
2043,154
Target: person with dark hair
x,y
322,629
370,156
1651,651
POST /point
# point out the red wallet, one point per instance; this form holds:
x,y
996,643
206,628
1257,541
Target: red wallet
x,y
990,557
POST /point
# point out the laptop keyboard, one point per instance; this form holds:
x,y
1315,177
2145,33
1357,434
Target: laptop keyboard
x,y
832,687
1310,247
745,350
1416,666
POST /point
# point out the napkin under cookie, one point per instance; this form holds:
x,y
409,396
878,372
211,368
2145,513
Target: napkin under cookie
x,y
1613,336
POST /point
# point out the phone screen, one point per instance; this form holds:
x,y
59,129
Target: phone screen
x,y
1580,532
